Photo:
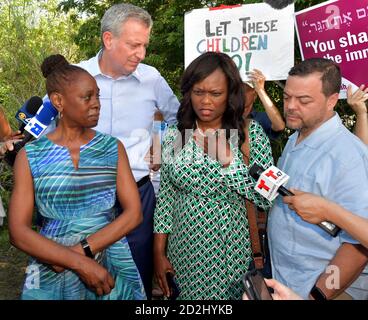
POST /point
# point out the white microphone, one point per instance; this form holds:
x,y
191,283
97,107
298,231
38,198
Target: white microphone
x,y
270,184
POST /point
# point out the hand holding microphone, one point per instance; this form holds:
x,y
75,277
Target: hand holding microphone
x,y
309,207
8,144
270,184
34,128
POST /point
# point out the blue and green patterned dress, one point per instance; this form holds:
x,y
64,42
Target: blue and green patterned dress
x,y
202,207
76,204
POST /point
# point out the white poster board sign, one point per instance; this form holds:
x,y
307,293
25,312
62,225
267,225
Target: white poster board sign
x,y
253,35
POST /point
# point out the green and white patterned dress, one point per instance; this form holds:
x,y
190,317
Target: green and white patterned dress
x,y
202,207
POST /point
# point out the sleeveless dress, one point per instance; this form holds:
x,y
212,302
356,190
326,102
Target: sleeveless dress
x,y
76,204
202,207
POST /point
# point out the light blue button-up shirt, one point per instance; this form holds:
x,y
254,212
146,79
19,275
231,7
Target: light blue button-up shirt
x,y
333,163
127,108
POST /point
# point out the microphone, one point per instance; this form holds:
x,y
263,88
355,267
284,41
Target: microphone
x,y
28,111
278,4
38,124
270,184
35,127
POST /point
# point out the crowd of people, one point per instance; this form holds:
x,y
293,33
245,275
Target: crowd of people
x,y
104,237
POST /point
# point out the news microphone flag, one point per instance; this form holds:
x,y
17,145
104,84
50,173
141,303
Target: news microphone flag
x,y
270,184
269,181
27,111
39,123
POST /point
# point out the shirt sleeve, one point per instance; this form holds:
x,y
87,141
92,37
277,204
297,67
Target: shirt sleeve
x,y
168,103
351,192
165,206
236,175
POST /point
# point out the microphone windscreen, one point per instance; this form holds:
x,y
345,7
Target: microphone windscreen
x,y
255,171
34,103
28,111
278,4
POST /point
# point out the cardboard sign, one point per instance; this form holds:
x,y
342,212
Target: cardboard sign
x,y
253,35
337,30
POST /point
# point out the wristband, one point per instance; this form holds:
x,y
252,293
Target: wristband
x,y
318,294
87,249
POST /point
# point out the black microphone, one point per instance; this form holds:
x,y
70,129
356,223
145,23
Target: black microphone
x,y
9,156
256,171
27,111
35,127
278,4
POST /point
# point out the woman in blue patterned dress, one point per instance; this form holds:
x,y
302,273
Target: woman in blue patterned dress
x,y
200,224
73,176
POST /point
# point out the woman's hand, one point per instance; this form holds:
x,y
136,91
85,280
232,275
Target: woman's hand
x,y
96,277
77,248
281,292
357,99
258,79
215,145
9,141
162,266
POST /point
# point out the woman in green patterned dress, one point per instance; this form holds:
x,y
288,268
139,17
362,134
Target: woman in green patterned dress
x,y
200,224
73,175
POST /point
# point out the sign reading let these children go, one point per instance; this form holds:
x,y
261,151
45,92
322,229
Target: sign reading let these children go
x,y
254,36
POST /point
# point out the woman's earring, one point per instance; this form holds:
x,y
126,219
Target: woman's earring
x,y
60,114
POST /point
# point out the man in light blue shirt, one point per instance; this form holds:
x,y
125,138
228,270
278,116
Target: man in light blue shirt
x,y
324,158
130,93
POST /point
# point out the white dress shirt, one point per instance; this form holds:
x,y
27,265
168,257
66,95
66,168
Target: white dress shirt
x,y
128,105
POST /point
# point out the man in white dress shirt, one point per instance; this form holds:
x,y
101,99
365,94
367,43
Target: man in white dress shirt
x,y
130,93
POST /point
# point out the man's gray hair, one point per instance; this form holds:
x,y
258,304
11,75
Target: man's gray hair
x,y
118,14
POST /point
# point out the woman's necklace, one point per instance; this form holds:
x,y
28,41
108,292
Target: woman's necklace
x,y
213,132
200,130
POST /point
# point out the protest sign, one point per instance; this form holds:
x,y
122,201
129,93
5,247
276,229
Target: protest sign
x,y
337,30
253,35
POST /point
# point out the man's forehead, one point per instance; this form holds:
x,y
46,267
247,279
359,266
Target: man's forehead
x,y
303,83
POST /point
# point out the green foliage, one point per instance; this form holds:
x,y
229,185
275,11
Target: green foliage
x,y
30,31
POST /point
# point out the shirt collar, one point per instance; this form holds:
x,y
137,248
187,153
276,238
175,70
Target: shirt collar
x,y
321,134
96,70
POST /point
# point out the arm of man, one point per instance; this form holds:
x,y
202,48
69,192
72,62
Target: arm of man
x,y
167,102
315,209
344,268
348,187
